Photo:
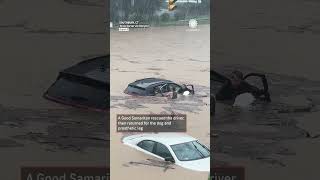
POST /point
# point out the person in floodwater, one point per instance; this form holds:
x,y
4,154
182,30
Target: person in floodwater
x,y
173,94
236,85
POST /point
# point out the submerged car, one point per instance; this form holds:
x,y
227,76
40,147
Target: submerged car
x,y
253,85
83,85
178,148
157,87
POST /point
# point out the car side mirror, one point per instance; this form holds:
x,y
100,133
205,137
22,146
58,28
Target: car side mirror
x,y
169,159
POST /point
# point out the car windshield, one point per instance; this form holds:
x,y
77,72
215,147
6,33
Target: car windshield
x,y
190,151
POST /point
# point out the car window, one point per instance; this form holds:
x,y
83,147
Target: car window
x,y
162,151
146,145
156,89
174,86
133,89
165,88
160,89
190,151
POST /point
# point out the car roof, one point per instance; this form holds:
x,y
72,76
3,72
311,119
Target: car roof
x,y
92,69
144,83
167,138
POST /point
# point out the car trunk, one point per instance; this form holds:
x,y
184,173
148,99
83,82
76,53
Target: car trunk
x,y
83,85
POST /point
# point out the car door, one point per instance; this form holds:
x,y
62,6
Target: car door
x,y
147,146
155,149
175,86
162,151
164,88
156,90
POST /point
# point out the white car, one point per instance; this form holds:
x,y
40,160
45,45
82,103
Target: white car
x,y
178,148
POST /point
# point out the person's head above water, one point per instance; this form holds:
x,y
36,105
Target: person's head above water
x,y
236,77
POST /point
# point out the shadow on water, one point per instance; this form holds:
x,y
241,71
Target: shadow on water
x,y
258,132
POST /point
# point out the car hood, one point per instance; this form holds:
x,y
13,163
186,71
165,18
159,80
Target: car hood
x,y
197,165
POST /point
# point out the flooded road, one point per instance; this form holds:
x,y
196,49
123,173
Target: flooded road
x,y
172,53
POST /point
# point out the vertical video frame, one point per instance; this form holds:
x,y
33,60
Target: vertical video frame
x,y
160,89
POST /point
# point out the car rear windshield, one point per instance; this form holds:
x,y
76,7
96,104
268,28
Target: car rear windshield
x,y
137,87
75,93
135,90
190,151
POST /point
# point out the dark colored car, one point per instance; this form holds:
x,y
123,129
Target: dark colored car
x,y
156,87
83,85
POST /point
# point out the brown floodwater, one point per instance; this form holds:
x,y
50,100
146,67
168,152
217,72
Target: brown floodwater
x,y
173,53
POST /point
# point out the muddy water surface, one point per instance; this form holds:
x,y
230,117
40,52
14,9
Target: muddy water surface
x,y
172,53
